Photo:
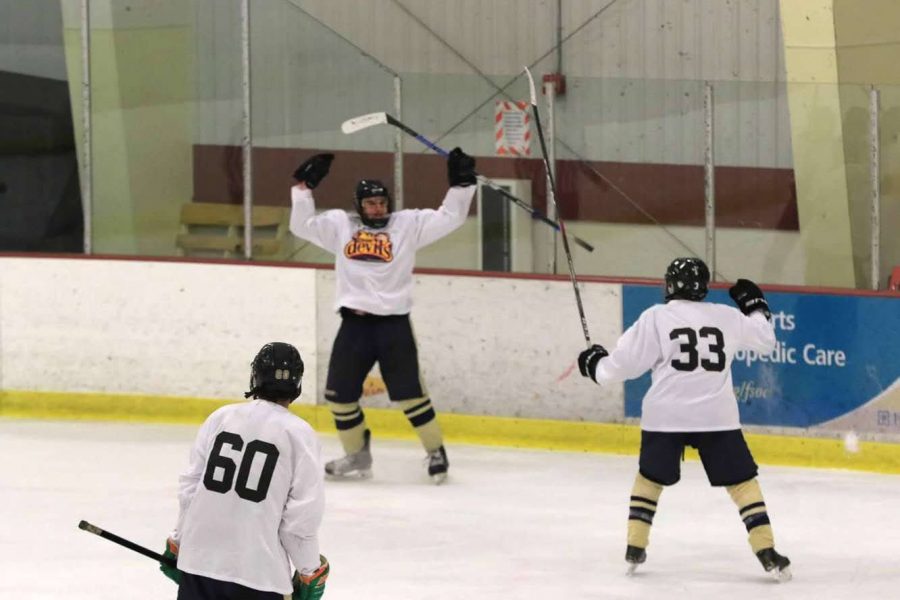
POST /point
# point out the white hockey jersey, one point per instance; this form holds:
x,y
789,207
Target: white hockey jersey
x,y
373,267
252,496
689,346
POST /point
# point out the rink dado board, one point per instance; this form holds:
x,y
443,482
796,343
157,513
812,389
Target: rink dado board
x,y
170,340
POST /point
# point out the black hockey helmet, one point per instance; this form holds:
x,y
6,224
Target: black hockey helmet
x,y
276,373
372,188
687,279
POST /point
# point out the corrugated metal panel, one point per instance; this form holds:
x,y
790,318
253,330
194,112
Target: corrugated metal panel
x,y
307,80
635,72
217,72
651,57
499,36
674,39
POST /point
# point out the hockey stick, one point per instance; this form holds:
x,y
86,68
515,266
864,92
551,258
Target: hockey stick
x,y
130,545
562,225
370,120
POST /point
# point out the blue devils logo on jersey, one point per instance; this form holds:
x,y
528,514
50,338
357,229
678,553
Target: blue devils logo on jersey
x,y
370,246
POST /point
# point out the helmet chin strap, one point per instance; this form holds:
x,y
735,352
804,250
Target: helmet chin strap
x,y
377,223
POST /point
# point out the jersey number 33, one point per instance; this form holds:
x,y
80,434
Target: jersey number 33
x,y
711,356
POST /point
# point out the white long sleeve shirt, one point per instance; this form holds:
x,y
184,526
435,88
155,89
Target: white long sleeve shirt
x,y
373,267
689,346
252,498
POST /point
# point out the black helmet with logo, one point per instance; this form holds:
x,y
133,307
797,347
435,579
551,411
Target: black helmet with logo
x,y
372,188
687,279
276,373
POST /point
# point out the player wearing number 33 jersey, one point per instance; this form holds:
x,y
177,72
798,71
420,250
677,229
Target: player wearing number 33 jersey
x,y
688,346
252,497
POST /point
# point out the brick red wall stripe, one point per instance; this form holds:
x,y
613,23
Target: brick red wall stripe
x,y
747,197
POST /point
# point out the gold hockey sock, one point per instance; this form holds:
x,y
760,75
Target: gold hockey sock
x,y
644,496
351,425
749,500
422,417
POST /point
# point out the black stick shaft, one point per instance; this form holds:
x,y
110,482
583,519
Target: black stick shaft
x,y
536,214
562,225
127,544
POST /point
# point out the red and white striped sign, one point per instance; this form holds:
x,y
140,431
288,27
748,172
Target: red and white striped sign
x,y
512,129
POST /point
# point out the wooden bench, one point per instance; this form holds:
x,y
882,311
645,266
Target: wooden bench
x,y
214,229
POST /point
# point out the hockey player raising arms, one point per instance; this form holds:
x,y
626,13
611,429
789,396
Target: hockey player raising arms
x,y
689,346
375,253
252,496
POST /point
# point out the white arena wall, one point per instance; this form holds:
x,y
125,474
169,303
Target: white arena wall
x,y
170,340
488,346
152,328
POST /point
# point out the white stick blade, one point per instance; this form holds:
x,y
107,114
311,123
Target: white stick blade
x,y
363,122
531,87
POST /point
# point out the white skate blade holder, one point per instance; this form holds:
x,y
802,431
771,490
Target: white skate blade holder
x,y
782,575
356,474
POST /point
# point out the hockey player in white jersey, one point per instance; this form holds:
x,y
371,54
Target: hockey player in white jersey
x,y
689,345
375,253
252,497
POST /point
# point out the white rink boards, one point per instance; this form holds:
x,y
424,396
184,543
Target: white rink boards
x,y
509,524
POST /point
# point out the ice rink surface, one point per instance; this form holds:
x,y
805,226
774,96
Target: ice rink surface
x,y
509,524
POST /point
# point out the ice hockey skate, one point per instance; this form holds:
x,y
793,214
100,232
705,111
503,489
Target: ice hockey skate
x,y
438,465
634,556
778,565
357,465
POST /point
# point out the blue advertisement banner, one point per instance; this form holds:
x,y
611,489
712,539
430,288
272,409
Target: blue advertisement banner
x,y
836,363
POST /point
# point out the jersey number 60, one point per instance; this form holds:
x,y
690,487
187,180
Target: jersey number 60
x,y
228,467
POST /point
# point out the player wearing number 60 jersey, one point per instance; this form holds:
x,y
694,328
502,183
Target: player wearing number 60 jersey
x,y
688,345
252,497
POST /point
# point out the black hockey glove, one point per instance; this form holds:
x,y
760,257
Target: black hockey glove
x,y
313,170
460,168
748,297
588,359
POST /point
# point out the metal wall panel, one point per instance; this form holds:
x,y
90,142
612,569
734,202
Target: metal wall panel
x,y
656,39
635,70
498,36
217,71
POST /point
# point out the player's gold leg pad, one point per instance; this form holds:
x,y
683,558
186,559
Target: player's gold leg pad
x,y
351,425
422,417
749,500
641,510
